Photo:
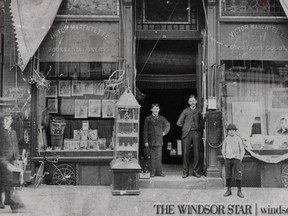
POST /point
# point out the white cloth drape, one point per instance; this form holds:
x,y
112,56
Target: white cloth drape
x,y
284,4
32,20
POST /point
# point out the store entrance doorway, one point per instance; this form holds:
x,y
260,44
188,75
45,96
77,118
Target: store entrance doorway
x,y
172,102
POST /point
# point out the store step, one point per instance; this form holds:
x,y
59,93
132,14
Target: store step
x,y
177,182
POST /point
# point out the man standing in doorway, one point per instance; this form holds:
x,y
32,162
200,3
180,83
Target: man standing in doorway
x,y
155,127
191,122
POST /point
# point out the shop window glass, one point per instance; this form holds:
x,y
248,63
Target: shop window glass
x,y
251,8
89,7
183,15
72,110
255,95
166,11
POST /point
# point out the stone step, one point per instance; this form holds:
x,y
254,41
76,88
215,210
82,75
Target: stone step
x,y
177,182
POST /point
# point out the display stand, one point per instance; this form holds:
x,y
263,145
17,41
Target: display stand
x,y
125,166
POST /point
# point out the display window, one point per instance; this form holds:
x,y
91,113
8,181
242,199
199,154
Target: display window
x,y
77,112
255,95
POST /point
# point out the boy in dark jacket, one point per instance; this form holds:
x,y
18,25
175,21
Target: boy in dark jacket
x,y
155,127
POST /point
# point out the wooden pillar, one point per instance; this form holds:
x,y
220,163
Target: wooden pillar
x,y
212,58
128,41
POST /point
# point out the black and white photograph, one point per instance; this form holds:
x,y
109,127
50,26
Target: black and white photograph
x,y
62,69
77,88
85,69
144,107
94,108
67,106
52,91
108,108
99,88
81,108
87,87
52,105
64,88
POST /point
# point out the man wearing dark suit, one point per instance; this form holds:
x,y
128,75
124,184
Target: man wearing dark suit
x,y
191,122
284,127
9,153
155,127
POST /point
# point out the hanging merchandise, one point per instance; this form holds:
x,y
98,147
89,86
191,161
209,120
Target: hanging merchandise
x,y
37,77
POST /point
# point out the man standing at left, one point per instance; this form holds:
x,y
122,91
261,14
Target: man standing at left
x,y
155,127
9,153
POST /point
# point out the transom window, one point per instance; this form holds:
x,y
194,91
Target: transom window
x,y
251,8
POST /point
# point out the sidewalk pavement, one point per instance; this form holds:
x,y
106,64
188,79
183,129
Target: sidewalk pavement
x,y
98,201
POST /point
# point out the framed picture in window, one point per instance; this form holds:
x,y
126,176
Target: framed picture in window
x,y
245,113
99,88
108,108
85,69
278,99
52,105
62,69
73,69
52,92
81,109
94,108
67,106
277,121
77,88
87,87
64,88
106,69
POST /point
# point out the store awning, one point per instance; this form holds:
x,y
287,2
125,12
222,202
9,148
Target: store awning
x,y
32,20
284,4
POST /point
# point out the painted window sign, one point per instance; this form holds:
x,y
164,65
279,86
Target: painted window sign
x,y
89,7
79,42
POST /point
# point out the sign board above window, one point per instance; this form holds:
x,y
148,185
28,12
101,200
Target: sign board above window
x,y
81,42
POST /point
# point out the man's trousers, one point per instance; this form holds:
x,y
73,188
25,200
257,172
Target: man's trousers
x,y
193,138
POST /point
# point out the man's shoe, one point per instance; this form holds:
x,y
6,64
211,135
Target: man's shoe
x,y
11,202
185,175
152,174
228,192
196,175
239,194
2,206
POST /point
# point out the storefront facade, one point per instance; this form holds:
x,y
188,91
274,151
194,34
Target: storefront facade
x,y
230,53
252,70
70,72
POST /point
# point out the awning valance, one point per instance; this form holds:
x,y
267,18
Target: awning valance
x,y
284,4
32,20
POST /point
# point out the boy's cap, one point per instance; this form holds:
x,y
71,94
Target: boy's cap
x,y
231,127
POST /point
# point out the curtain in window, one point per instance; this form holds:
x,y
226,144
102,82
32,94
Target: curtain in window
x,y
32,20
284,4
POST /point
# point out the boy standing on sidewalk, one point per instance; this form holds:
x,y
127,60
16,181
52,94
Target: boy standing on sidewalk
x,y
233,152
